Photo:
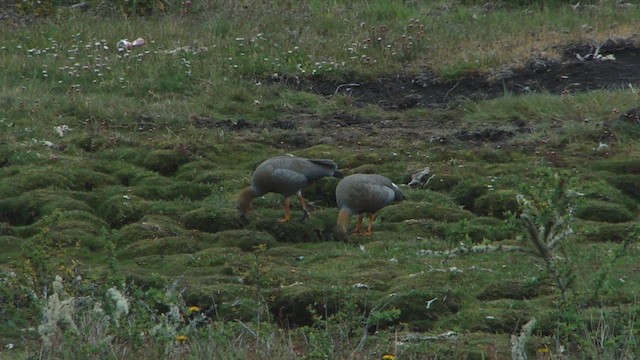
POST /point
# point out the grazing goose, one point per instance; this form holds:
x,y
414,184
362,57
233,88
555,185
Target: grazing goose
x,y
363,194
286,175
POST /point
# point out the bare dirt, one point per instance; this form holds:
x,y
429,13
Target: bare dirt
x,y
614,64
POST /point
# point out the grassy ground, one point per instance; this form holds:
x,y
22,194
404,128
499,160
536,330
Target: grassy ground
x,y
119,172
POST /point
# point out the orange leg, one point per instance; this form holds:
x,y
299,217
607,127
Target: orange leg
x,y
287,211
305,209
358,228
372,218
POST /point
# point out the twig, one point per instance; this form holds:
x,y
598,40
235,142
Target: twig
x,y
450,90
339,86
249,329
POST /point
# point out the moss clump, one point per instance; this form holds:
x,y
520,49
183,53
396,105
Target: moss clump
x,y
123,154
5,155
165,162
606,232
319,227
599,210
624,166
149,227
75,228
245,240
296,304
160,246
407,210
512,289
414,311
28,207
9,247
121,209
26,178
477,229
498,203
203,172
443,182
161,188
489,319
129,175
360,159
211,219
89,142
629,184
322,192
467,191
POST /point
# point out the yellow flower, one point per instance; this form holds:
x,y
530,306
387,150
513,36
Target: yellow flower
x,y
544,349
193,309
181,338
388,357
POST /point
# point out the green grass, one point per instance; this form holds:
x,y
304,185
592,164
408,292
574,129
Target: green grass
x,y
139,195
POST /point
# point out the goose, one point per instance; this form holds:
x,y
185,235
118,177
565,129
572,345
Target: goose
x,y
285,175
362,194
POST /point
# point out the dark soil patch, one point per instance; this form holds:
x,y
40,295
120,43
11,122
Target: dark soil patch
x,y
614,64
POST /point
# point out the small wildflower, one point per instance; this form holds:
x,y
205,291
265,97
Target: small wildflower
x,y
181,338
543,349
194,309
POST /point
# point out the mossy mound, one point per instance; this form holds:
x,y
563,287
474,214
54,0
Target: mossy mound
x,y
202,172
9,247
28,207
121,209
602,190
212,258
165,162
161,188
211,219
512,289
497,203
428,196
222,301
149,227
26,178
359,160
599,210
606,232
477,229
407,210
297,303
443,182
322,192
319,227
467,191
245,240
122,154
629,184
76,228
169,245
131,175
89,142
29,158
414,311
492,318
619,166
6,153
